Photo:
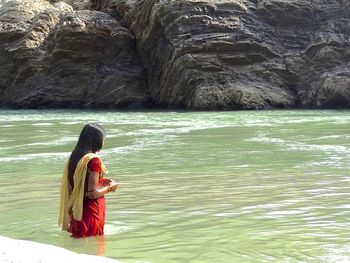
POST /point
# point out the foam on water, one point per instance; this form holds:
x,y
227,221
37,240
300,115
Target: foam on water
x,y
43,157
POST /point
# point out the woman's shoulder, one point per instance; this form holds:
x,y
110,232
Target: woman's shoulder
x,y
95,160
87,158
95,164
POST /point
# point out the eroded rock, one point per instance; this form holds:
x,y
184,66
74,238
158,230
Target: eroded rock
x,y
57,57
194,54
240,54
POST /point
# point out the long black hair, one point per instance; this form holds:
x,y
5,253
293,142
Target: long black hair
x,y
90,140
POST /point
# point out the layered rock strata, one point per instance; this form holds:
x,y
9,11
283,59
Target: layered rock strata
x,y
244,54
206,55
54,56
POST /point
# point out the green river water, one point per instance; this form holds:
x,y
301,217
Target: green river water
x,y
268,186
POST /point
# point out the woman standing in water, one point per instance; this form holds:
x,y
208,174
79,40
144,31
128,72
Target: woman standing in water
x,y
82,205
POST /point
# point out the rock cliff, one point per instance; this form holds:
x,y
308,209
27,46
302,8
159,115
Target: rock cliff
x,y
206,55
54,56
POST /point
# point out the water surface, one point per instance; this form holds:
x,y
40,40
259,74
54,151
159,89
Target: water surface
x,y
269,186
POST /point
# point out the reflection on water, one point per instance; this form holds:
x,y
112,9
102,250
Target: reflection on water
x,y
267,186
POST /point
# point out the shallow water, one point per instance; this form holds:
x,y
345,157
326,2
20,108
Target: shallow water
x,y
270,186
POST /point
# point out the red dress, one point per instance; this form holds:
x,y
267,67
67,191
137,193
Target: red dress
x,y
94,210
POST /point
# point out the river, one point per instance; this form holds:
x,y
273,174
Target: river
x,y
247,186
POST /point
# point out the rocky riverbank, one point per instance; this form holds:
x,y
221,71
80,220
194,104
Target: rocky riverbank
x,y
206,55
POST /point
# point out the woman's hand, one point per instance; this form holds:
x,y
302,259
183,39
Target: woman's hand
x,y
107,181
113,186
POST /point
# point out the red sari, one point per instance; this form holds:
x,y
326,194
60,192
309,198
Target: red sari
x,y
94,210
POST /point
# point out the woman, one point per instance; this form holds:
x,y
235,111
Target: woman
x,y
82,206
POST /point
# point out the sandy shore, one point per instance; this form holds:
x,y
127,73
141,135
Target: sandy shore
x,y
22,251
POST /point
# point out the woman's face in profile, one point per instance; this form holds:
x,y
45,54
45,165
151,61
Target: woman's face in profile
x,y
103,144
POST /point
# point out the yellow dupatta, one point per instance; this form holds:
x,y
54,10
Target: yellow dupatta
x,y
71,201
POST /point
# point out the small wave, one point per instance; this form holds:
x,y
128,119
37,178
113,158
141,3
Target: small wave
x,y
43,124
266,140
330,137
313,147
276,214
326,163
41,156
140,145
228,214
70,122
299,146
116,227
173,130
61,141
6,140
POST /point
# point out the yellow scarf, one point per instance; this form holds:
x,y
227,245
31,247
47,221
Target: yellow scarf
x,y
72,201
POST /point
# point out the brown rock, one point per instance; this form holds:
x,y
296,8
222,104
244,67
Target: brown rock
x,y
239,54
65,58
331,90
206,55
75,4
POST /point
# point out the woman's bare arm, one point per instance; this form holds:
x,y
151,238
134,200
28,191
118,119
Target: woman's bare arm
x,y
94,191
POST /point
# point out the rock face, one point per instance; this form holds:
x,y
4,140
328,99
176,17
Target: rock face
x,y
206,55
244,54
53,56
76,4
